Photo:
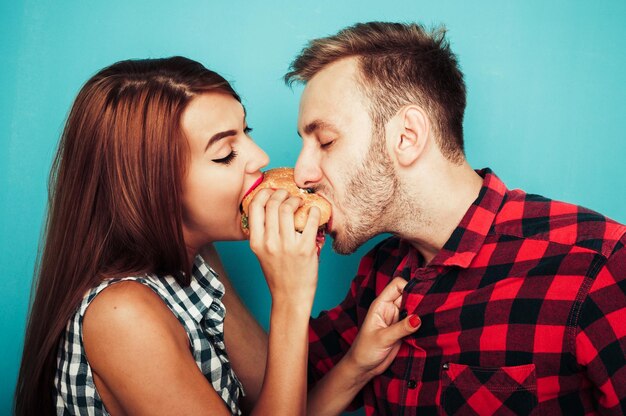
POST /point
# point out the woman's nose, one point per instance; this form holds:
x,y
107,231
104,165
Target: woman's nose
x,y
258,160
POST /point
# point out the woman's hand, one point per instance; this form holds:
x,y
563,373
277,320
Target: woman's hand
x,y
290,264
288,258
378,340
373,350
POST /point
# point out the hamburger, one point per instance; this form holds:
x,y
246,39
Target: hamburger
x,y
282,178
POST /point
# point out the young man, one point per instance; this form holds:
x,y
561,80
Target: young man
x,y
522,298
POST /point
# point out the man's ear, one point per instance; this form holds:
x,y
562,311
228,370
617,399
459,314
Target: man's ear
x,y
409,135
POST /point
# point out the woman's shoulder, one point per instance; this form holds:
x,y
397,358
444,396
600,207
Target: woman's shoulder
x,y
137,348
128,307
125,299
127,316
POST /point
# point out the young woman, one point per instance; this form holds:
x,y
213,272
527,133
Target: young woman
x,y
128,317
128,313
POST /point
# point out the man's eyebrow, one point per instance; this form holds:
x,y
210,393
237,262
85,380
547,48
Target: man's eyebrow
x,y
317,125
218,136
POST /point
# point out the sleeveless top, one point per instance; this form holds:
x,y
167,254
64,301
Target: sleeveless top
x,y
197,307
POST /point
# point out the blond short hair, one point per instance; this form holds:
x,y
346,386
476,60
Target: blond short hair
x,y
399,64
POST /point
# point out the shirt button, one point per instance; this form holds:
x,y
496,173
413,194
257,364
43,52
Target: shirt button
x,y
403,314
411,384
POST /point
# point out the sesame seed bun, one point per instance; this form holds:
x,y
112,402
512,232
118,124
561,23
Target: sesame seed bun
x,y
282,178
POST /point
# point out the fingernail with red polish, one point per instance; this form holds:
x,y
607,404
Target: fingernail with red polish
x,y
415,321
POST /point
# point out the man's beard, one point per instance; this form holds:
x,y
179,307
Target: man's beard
x,y
371,195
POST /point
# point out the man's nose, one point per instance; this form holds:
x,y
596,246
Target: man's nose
x,y
307,172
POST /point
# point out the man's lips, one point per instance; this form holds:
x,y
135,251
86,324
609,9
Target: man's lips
x,y
328,228
319,240
254,185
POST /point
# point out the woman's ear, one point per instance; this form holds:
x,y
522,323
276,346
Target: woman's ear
x,y
409,134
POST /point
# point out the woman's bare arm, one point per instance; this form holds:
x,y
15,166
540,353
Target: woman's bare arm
x,y
246,341
140,356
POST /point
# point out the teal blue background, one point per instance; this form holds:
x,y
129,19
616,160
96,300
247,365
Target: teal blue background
x,y
546,103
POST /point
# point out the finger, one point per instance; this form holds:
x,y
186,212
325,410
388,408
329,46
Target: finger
x,y
401,329
382,314
272,213
312,224
393,291
256,214
287,209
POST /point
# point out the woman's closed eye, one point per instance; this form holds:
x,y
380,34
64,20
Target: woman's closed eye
x,y
226,160
233,153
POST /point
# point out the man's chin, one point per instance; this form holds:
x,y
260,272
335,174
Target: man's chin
x,y
342,246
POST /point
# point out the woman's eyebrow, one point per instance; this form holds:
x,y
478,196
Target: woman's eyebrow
x,y
218,136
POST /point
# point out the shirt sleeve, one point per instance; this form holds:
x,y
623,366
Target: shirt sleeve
x,y
601,337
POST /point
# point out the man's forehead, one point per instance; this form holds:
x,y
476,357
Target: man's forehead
x,y
321,113
327,95
343,72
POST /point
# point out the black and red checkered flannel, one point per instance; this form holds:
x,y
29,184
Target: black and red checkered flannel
x,y
523,312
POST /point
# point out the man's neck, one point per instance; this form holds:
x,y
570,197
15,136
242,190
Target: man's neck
x,y
441,201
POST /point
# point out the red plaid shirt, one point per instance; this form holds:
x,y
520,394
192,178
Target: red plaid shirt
x,y
523,311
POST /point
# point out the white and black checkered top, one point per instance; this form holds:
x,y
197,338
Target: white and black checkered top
x,y
198,308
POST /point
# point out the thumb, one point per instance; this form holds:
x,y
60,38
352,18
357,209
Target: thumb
x,y
401,329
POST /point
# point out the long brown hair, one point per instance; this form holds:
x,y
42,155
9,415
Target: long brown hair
x,y
114,200
399,64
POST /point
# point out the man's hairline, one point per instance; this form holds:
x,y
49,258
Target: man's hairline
x,y
361,87
366,93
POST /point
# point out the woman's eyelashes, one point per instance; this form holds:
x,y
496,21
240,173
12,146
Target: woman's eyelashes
x,y
233,153
226,160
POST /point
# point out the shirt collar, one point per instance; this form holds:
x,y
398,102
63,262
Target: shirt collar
x,y
469,236
205,291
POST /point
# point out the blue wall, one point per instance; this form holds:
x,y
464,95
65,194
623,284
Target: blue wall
x,y
547,103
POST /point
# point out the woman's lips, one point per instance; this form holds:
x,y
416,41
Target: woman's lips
x,y
254,185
